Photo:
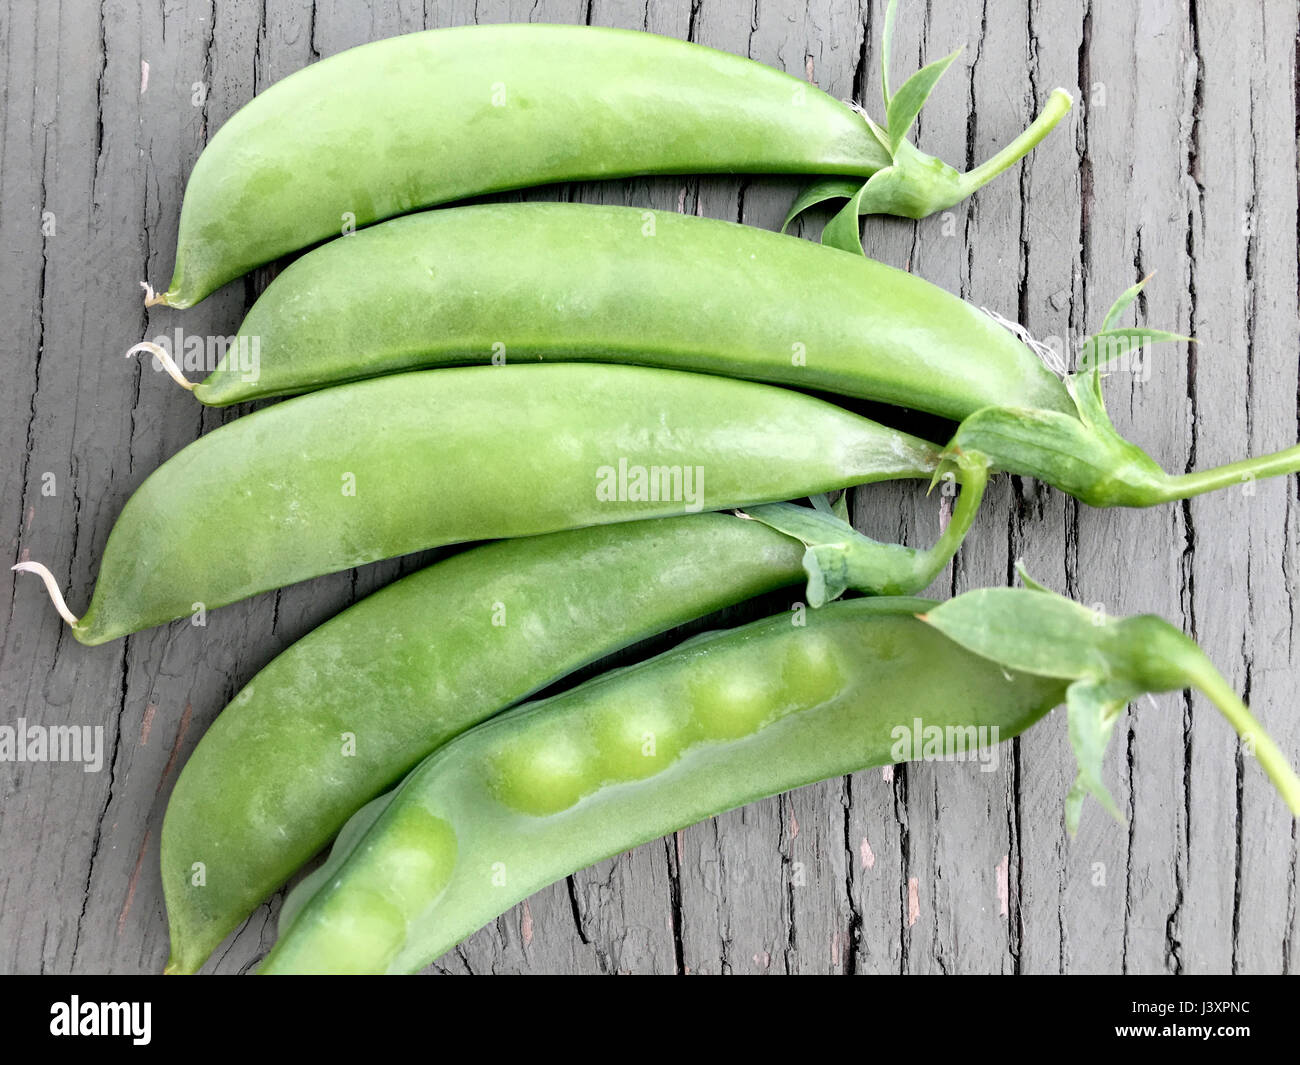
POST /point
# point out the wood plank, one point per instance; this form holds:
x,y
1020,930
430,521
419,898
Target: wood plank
x,y
1182,159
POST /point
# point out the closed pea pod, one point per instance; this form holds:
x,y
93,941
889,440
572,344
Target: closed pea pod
x,y
618,284
385,467
346,711
722,720
482,109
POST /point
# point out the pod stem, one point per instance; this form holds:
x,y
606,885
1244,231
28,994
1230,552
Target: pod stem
x,y
974,479
52,587
1057,107
839,558
1108,663
912,184
168,363
1186,485
1202,675
1083,454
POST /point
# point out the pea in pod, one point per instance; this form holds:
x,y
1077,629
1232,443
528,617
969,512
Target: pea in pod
x,y
482,109
349,709
541,791
722,720
618,284
385,467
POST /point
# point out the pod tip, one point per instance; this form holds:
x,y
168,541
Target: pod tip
x,y
51,586
151,298
168,363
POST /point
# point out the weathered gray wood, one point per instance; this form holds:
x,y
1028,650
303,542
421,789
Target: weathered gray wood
x,y
1042,526
1182,159
1242,215
1145,103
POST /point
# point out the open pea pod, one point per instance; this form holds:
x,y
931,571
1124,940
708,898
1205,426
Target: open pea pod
x,y
722,720
543,790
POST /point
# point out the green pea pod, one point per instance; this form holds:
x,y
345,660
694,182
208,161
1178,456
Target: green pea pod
x,y
546,789
724,719
482,109
382,468
488,108
346,711
618,284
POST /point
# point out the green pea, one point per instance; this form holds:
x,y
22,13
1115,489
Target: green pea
x,y
812,667
485,108
544,771
365,931
730,704
381,468
415,866
641,741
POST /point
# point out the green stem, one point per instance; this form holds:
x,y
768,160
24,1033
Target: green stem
x,y
1184,486
1270,757
1058,105
839,558
928,564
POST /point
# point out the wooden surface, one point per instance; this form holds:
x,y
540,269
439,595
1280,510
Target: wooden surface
x,y
1182,159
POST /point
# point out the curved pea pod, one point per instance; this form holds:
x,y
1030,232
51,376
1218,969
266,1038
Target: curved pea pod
x,y
546,789
345,712
441,115
724,719
617,284
382,468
